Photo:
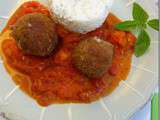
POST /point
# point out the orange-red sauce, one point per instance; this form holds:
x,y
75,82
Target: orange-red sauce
x,y
54,79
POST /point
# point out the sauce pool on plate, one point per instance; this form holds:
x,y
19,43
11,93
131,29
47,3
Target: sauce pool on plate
x,y
54,79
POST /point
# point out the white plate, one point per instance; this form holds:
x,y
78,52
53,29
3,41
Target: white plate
x,y
130,96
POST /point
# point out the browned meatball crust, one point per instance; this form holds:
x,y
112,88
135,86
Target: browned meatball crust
x,y
35,34
93,56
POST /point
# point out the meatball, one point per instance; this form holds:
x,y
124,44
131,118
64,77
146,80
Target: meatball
x,y
35,34
93,57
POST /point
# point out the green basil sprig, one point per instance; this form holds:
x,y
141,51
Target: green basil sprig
x,y
154,23
142,43
140,21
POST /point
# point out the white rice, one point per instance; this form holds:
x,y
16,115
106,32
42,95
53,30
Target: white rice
x,y
80,15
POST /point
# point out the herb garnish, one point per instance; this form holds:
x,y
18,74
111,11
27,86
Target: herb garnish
x,y
140,21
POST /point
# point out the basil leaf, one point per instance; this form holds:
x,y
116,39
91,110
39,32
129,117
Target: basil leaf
x,y
127,25
143,26
139,13
154,23
142,43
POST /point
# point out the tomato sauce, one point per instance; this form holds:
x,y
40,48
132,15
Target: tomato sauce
x,y
54,79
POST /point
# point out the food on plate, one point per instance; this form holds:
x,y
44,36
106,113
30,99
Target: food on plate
x,y
81,15
93,56
35,34
139,23
55,78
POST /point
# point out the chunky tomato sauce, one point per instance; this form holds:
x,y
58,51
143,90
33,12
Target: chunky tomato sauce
x,y
54,79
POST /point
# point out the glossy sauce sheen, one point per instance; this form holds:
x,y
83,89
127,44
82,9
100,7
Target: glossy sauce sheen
x,y
54,79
